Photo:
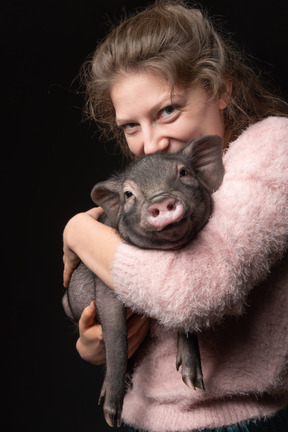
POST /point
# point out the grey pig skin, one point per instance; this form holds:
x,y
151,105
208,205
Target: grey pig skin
x,y
161,201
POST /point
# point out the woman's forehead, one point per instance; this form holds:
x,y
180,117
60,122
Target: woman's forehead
x,y
144,89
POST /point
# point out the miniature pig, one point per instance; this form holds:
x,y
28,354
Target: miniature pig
x,y
159,202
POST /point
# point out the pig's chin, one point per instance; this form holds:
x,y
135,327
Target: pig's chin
x,y
175,234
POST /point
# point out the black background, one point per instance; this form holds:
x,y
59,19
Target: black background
x,y
50,159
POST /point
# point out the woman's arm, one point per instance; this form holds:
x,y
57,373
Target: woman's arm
x,y
211,277
248,232
90,241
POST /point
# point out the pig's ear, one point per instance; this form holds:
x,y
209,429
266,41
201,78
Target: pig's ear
x,y
107,195
205,155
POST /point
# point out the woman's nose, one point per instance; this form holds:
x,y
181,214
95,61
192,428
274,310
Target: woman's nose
x,y
155,143
158,146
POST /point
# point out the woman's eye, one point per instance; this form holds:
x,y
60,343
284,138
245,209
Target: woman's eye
x,y
168,110
128,194
129,127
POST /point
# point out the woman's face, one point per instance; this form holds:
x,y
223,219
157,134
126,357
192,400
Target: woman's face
x,y
152,122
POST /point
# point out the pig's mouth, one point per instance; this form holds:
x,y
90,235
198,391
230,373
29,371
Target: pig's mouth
x,y
176,232
174,225
179,232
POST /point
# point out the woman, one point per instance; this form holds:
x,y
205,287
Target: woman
x,y
160,79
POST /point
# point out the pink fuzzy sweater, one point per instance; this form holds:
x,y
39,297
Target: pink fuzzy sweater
x,y
231,285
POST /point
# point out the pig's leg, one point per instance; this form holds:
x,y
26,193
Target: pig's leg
x,y
112,316
188,355
80,292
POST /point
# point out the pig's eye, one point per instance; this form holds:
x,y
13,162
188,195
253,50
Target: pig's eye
x,y
128,194
183,172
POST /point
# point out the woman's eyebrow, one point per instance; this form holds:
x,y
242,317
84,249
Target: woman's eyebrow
x,y
122,121
169,99
166,99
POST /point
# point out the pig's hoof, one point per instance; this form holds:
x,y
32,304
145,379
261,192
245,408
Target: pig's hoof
x,y
112,410
193,381
112,419
191,375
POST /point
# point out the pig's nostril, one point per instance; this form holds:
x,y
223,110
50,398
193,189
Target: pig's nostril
x,y
155,212
162,208
164,213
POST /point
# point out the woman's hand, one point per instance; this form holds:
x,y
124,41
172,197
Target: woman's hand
x,y
90,344
70,258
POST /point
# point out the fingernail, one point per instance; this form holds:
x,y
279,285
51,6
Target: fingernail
x,y
92,305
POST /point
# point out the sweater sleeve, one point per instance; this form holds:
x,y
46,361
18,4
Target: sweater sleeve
x,y
198,285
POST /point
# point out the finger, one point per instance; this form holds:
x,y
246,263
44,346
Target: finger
x,y
95,212
67,272
91,348
69,267
66,278
87,318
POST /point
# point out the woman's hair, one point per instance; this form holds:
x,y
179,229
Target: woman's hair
x,y
180,44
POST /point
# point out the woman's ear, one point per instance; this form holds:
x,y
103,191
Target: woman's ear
x,y
224,97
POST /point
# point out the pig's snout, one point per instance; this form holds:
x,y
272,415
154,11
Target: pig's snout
x,y
163,213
